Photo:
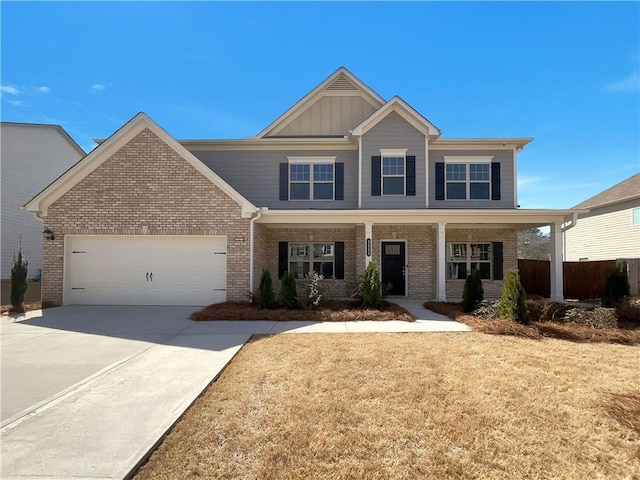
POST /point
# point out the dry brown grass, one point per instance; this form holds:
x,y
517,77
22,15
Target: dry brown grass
x,y
630,335
408,406
329,311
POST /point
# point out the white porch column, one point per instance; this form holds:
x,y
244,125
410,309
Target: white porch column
x,y
368,243
441,290
557,293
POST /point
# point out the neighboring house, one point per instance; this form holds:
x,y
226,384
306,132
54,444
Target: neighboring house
x,y
342,178
31,157
611,228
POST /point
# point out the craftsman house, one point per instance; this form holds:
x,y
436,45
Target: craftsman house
x,y
342,178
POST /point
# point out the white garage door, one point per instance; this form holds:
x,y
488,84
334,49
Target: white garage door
x,y
145,270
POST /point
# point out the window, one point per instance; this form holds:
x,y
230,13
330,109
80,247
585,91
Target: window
x,y
636,216
393,176
304,257
468,178
311,179
463,257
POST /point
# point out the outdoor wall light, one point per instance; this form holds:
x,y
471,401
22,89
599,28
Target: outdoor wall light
x,y
48,235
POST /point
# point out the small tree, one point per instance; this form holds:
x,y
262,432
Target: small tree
x,y
288,291
513,303
473,292
314,291
371,291
617,287
266,297
19,283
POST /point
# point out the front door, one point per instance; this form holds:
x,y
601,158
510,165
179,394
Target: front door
x,y
393,267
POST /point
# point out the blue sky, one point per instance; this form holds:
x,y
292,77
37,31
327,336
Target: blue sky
x,y
564,73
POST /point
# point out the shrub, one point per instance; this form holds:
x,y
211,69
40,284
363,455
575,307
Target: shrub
x,y
288,291
371,288
266,297
314,292
599,317
617,287
473,292
513,303
628,310
487,310
19,284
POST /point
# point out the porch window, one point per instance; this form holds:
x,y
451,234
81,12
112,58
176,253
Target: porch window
x,y
319,257
463,257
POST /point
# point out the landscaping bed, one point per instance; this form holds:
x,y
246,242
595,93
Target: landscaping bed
x,y
554,320
328,311
411,406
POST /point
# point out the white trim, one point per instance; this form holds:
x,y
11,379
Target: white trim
x,y
469,159
426,171
40,203
406,263
515,178
441,266
480,143
311,160
359,172
393,152
399,106
270,144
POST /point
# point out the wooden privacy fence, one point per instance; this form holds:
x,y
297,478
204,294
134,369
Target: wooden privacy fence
x,y
582,280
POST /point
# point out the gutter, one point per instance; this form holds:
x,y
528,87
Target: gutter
x,y
251,248
572,223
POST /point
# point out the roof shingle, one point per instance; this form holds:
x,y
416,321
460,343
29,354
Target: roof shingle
x,y
625,190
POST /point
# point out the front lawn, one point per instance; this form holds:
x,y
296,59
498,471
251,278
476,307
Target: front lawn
x,y
412,406
328,311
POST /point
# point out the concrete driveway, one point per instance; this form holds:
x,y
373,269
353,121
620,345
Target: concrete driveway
x,y
88,391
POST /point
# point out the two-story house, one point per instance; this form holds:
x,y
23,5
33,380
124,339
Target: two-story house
x,y
342,178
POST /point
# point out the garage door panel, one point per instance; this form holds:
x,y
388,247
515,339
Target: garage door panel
x,y
145,270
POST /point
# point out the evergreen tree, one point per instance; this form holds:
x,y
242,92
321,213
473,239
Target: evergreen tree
x,y
513,303
266,297
473,292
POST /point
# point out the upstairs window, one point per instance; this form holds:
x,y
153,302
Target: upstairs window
x,y
311,178
636,216
468,178
393,176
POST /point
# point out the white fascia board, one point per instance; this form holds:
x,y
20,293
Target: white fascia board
x,y
279,123
121,137
262,144
399,106
479,143
467,216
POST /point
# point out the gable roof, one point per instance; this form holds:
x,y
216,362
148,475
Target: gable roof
x,y
342,80
60,130
406,111
626,190
39,204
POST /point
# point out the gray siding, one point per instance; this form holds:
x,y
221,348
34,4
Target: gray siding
x,y
256,175
393,132
505,157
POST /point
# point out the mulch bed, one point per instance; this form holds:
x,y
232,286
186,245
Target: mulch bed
x,y
329,311
27,307
627,334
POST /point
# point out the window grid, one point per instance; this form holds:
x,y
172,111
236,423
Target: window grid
x,y
468,181
306,257
393,175
463,257
304,186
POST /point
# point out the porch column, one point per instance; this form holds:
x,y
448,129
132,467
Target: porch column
x,y
368,243
557,294
441,290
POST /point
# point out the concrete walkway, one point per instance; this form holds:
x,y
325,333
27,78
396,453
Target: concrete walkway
x,y
87,392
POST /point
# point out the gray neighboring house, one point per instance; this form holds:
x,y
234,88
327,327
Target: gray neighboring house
x,y
31,156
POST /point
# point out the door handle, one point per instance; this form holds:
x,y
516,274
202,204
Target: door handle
x,y
147,276
404,271
151,276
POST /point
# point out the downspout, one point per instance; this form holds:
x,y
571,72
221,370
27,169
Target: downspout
x,y
251,241
567,226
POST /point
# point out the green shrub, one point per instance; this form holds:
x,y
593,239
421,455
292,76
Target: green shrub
x,y
473,292
371,288
19,266
288,291
617,287
266,297
513,303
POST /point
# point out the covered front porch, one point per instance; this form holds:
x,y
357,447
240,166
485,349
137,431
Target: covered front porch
x,y
424,254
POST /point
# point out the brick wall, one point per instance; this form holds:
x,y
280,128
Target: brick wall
x,y
146,183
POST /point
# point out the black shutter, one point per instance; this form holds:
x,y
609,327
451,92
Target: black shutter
x,y
339,259
498,264
376,179
283,258
495,181
284,181
411,176
339,171
439,181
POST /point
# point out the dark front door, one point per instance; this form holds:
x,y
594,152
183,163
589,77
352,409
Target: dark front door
x,y
393,266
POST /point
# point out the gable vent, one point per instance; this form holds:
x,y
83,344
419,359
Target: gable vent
x,y
341,83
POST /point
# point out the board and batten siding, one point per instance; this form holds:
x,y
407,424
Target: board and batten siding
x,y
504,157
393,132
256,175
605,233
32,157
331,115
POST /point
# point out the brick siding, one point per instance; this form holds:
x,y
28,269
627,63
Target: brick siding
x,y
146,183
